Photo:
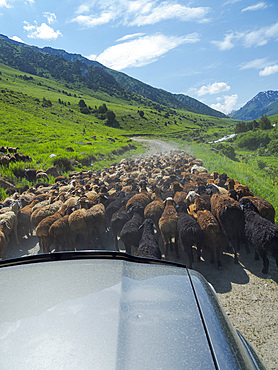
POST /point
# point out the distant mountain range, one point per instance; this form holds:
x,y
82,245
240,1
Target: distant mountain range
x,y
263,103
78,69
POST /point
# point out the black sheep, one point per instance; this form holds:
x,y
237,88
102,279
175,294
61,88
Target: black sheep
x,y
148,246
261,233
130,234
118,220
189,233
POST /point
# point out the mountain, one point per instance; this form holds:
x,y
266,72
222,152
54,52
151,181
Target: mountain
x,y
130,87
265,102
197,105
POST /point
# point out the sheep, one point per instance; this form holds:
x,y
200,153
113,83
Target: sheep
x,y
11,224
155,208
78,227
30,174
231,219
118,220
24,215
198,169
42,175
42,230
13,205
60,233
130,234
199,205
243,190
168,226
179,193
148,245
12,150
5,161
261,233
3,241
214,189
39,214
95,221
115,206
189,233
142,198
212,235
265,208
5,184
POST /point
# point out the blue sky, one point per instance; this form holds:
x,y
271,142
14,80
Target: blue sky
x,y
220,52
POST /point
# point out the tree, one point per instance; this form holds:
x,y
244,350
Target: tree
x,y
46,103
110,115
264,123
102,108
82,104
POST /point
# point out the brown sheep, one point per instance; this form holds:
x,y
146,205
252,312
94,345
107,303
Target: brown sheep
x,y
168,226
212,235
142,198
60,233
39,214
78,227
42,230
231,219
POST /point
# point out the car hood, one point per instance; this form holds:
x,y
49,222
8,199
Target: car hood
x,y
100,314
107,313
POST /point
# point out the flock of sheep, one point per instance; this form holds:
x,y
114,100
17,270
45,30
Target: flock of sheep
x,y
10,155
151,205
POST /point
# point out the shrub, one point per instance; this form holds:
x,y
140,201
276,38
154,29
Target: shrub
x,y
273,147
252,140
261,164
226,150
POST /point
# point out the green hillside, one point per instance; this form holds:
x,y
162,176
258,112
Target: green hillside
x,y
43,116
131,85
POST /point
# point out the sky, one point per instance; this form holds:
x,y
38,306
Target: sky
x,y
221,53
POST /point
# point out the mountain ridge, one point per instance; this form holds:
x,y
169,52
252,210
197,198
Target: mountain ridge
x,y
265,102
159,96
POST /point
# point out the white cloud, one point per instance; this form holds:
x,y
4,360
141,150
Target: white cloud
x,y
4,4
228,104
260,37
258,6
142,51
270,70
215,88
227,43
167,10
16,38
92,21
254,64
128,37
231,2
51,17
8,3
137,12
251,38
41,32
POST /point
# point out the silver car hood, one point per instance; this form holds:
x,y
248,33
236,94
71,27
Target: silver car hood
x,y
111,313
100,314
